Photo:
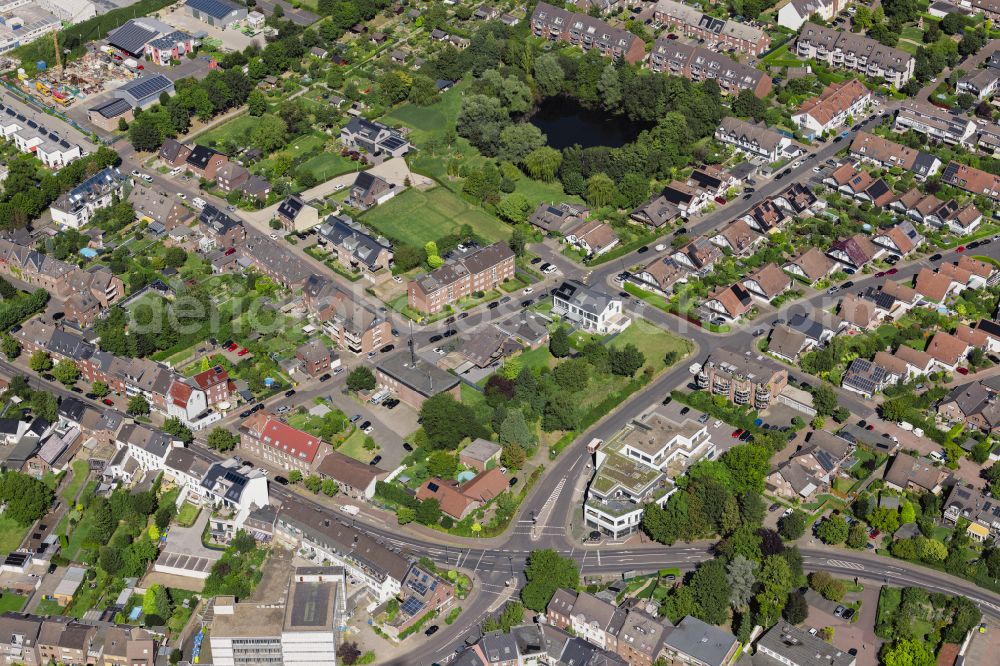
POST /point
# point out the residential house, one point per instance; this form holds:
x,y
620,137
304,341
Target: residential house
x,y
355,478
787,644
855,52
527,328
819,328
855,252
698,256
558,217
256,187
152,206
900,239
974,404
375,137
838,101
767,282
480,454
812,468
655,213
947,350
718,34
369,190
231,177
700,644
640,638
274,260
811,265
892,300
73,209
934,122
479,270
349,323
697,63
263,436
586,32
742,378
910,473
738,237
688,200
458,501
592,237
766,217
753,139
659,275
979,82
968,503
592,310
936,286
316,358
787,344
296,215
731,302
793,14
860,313
224,231
148,447
205,162
356,247
865,378
972,180
888,154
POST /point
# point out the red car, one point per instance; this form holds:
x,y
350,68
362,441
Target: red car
x,y
880,274
869,427
721,201
233,346
108,401
671,36
737,432
230,251
874,534
960,248
243,352
892,271
962,371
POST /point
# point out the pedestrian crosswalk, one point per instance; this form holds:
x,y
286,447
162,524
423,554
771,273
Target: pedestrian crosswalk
x,y
846,565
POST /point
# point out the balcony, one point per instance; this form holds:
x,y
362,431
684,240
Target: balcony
x,y
702,380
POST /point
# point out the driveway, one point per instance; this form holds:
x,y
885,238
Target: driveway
x,y
847,634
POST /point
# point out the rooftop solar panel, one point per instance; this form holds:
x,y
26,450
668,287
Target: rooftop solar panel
x,y
131,37
147,86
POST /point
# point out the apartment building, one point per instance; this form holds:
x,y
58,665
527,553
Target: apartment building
x,y
350,324
933,122
753,139
264,436
837,102
796,12
33,640
742,378
854,52
788,644
720,34
477,270
54,151
586,32
356,248
73,209
697,63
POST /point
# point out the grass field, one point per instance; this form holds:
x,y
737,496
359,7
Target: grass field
x,y
354,447
416,217
11,534
652,342
188,514
237,129
427,121
49,607
327,165
80,469
537,358
11,602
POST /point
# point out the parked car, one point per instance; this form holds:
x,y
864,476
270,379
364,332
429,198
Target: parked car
x,y
108,401
407,446
436,338
387,349
450,332
354,418
642,250
376,460
289,393
737,432
839,611
325,377
935,257
282,480
431,630
492,306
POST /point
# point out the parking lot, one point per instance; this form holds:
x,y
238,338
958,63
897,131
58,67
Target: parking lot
x,y
232,40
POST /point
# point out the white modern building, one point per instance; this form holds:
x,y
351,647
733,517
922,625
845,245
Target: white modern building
x,y
589,309
75,208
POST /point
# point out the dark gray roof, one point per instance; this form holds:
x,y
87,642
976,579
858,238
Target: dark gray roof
x,y
112,108
146,87
345,232
702,641
200,156
799,647
291,207
423,377
215,8
233,481
131,37
582,296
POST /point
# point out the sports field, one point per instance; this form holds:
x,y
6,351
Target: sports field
x,y
415,217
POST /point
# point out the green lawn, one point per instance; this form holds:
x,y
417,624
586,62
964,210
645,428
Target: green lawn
x,y
11,534
537,358
10,601
237,129
652,342
80,469
415,217
188,514
327,165
49,607
427,121
354,447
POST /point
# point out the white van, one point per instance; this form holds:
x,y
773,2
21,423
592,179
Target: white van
x,y
176,170
937,456
199,202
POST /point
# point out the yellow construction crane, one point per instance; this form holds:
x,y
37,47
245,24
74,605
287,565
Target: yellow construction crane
x,y
55,40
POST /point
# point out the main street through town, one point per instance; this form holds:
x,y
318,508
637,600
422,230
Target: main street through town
x,y
545,517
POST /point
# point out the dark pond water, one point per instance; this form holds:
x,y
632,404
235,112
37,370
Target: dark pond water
x,y
565,123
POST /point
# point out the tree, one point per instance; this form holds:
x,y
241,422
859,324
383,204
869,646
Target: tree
x,y
513,208
679,604
741,576
832,530
907,514
257,103
546,572
792,526
10,346
932,550
361,379
156,602
560,413
447,422
884,519
294,476
600,190
910,652
711,591
512,456
748,464
775,584
442,464
330,487
222,440
67,372
26,497
796,608
558,342
40,361
174,426
626,361
517,141
549,74
137,406
100,389
748,105
405,514
825,400
857,538
349,653
268,133
543,163
862,17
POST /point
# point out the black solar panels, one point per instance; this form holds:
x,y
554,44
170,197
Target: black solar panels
x,y
393,143
412,606
950,171
146,87
113,108
131,37
32,124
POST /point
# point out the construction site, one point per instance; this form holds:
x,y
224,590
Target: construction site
x,y
64,85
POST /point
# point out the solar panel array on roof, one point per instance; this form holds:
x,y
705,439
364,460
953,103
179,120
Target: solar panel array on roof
x,y
147,86
214,8
393,142
32,124
10,112
412,606
64,144
950,171
113,109
131,37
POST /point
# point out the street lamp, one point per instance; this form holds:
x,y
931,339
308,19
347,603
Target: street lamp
x,y
510,563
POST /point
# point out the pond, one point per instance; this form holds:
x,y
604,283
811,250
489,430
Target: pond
x,y
565,123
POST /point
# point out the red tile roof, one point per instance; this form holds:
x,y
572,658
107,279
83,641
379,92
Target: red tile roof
x,y
289,440
211,377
